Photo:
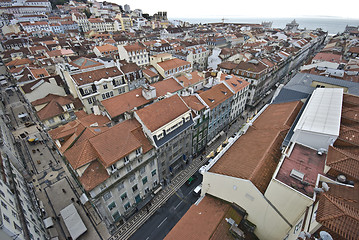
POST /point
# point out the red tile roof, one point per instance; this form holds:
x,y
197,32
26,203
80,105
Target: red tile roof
x,y
125,102
235,83
95,75
160,113
94,175
200,221
344,161
173,63
190,79
169,85
193,102
216,95
267,134
338,210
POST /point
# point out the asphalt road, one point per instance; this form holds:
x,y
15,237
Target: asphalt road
x,y
166,217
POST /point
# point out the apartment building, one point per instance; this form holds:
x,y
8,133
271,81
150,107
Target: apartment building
x,y
170,133
54,110
200,115
240,88
91,81
218,99
314,172
135,53
106,50
119,173
167,66
254,72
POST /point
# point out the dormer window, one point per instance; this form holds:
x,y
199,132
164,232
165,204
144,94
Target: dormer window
x,y
126,159
159,136
138,151
187,118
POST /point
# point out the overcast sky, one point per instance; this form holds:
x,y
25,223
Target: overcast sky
x,y
239,8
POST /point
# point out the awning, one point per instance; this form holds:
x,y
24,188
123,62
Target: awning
x,y
219,148
211,154
31,139
83,198
48,222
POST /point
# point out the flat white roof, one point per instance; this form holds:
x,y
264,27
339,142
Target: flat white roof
x,y
323,112
73,221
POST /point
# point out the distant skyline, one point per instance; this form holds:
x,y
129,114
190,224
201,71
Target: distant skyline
x,y
247,9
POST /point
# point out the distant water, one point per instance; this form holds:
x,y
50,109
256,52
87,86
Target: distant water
x,y
331,25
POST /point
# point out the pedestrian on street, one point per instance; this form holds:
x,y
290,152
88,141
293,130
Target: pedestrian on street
x,y
63,190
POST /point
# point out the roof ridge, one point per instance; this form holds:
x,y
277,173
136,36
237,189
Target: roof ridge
x,y
346,209
346,153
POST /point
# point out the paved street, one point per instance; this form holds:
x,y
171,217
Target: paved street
x,y
166,217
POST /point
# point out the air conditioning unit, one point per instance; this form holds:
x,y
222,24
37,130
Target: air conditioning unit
x,y
297,175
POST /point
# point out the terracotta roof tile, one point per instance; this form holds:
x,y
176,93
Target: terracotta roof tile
x,y
267,134
343,161
200,221
168,108
338,210
111,148
169,85
94,175
216,95
95,75
106,48
81,154
235,83
193,102
122,103
190,79
172,64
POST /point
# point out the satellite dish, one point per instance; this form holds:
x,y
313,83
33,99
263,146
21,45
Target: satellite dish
x,y
325,236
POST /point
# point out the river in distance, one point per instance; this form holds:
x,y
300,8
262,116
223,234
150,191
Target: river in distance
x,y
331,25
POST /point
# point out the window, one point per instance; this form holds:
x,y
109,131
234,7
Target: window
x,y
104,86
152,163
120,186
116,216
51,121
138,151
143,170
127,206
107,196
128,168
3,204
2,193
17,227
111,206
153,172
297,227
134,188
6,218
68,106
123,196
127,159
113,167
14,214
144,180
